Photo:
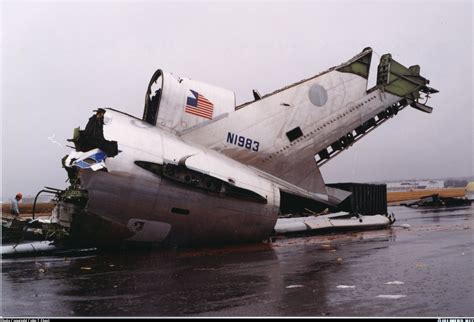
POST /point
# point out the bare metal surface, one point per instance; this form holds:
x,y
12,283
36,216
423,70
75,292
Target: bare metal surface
x,y
211,219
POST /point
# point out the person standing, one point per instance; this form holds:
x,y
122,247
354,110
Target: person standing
x,y
15,206
94,129
93,135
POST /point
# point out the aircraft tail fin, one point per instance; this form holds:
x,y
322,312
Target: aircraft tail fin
x,y
283,133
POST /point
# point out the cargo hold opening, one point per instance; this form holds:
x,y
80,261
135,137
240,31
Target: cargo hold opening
x,y
153,98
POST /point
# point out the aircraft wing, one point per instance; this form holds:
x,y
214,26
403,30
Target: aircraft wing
x,y
332,199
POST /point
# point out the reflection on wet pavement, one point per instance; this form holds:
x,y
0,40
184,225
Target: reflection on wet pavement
x,y
420,267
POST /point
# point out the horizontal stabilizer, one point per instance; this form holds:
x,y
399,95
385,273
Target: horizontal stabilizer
x,y
394,78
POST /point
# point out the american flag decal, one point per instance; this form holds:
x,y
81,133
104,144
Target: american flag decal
x,y
199,105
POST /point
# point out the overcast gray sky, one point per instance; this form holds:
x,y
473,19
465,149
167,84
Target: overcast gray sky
x,y
60,60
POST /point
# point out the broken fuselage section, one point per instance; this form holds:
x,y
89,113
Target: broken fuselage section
x,y
197,169
161,189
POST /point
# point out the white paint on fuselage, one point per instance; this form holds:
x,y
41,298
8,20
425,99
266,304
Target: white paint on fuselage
x,y
139,141
268,120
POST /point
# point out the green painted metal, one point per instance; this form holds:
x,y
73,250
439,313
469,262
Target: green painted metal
x,y
399,80
360,65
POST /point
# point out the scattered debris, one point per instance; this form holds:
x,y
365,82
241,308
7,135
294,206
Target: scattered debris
x,y
393,297
208,269
12,228
345,286
294,286
395,283
436,201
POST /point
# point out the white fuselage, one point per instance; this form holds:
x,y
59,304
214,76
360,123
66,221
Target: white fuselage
x,y
155,208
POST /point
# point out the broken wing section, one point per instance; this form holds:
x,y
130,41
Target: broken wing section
x,y
286,187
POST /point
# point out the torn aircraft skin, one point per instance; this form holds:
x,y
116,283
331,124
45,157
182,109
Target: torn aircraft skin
x,y
197,169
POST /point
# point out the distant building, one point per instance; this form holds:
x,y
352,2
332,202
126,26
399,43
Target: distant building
x,y
415,185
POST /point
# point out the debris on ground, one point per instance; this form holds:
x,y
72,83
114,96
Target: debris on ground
x,y
294,286
435,200
395,283
345,286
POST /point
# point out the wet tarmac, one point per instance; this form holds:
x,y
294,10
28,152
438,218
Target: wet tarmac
x,y
425,269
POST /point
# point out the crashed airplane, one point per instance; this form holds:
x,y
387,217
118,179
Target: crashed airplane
x,y
197,169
